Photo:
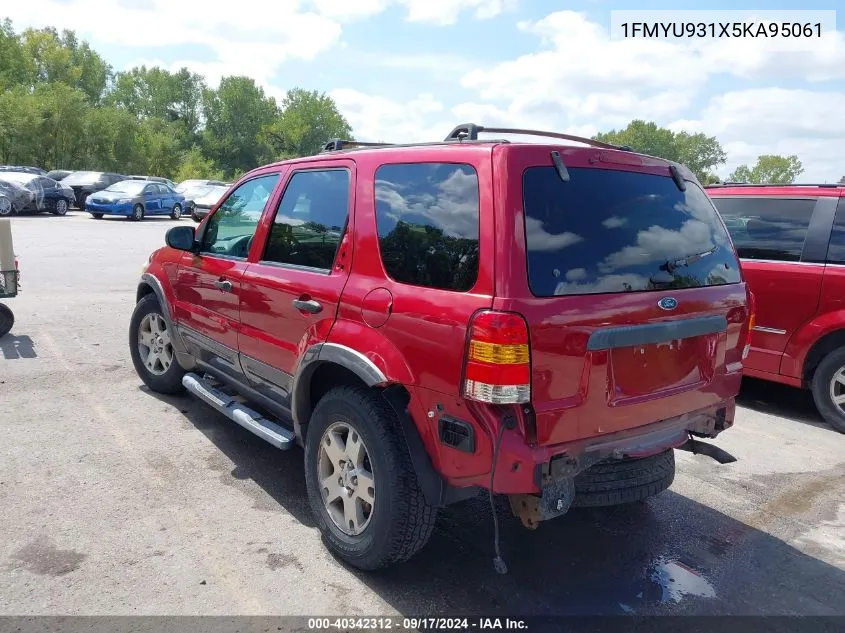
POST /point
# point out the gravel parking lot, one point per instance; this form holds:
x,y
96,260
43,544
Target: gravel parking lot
x,y
119,501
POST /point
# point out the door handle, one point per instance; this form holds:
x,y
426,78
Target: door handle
x,y
223,284
307,306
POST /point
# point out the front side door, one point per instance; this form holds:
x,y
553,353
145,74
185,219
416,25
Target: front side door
x,y
208,283
770,235
290,295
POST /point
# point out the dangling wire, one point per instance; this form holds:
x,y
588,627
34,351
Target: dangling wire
x,y
498,562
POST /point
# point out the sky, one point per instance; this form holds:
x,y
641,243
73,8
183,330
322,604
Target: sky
x,y
410,70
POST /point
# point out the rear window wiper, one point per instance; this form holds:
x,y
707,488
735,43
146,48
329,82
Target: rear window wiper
x,y
667,269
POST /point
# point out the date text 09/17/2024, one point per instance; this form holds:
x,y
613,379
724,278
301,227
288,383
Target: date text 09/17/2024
x,y
416,624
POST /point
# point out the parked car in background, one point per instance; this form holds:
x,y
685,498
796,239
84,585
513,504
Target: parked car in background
x,y
791,241
361,304
37,193
22,168
58,174
136,199
200,199
186,185
84,183
166,181
14,197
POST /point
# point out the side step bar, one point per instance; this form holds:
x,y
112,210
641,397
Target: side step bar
x,y
251,420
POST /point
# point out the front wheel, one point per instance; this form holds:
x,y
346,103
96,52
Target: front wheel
x,y
7,320
361,485
137,213
829,389
61,207
176,213
97,216
151,348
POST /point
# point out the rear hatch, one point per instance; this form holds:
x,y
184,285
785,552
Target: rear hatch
x,y
632,291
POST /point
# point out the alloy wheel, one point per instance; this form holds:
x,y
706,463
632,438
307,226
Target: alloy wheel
x,y
154,344
346,478
837,389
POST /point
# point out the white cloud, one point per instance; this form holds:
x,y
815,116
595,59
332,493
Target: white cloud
x,y
376,118
748,123
446,12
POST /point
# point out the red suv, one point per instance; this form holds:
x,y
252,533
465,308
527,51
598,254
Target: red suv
x,y
791,240
431,321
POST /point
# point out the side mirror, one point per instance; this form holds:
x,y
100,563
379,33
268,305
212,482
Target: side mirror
x,y
180,237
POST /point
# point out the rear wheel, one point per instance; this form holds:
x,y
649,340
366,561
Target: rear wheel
x,y
6,207
829,389
137,213
61,206
361,485
624,481
7,320
97,216
176,213
151,348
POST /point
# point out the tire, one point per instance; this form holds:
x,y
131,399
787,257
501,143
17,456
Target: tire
x,y
7,320
400,521
176,213
80,201
61,207
137,213
824,389
196,218
97,216
6,207
170,379
624,481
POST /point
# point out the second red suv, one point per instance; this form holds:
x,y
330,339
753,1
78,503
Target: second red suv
x,y
544,321
791,241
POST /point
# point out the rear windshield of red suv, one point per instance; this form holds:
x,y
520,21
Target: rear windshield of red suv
x,y
608,231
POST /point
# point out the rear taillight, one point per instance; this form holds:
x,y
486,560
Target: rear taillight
x,y
498,359
752,319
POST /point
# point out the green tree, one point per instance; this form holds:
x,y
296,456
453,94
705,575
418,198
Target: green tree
x,y
62,111
308,120
770,168
157,150
109,138
19,120
15,67
195,165
236,117
701,153
63,59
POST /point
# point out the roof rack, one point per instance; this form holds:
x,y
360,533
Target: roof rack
x,y
776,184
337,144
470,131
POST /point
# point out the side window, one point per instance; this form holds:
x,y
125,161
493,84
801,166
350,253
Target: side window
x,y
767,228
428,223
310,220
230,229
836,249
149,189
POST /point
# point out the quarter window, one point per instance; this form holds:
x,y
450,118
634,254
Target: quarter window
x,y
230,229
310,220
767,228
427,216
836,249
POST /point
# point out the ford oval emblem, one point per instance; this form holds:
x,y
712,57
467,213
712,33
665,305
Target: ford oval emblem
x,y
668,303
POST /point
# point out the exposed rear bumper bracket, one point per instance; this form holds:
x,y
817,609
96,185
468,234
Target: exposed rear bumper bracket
x,y
697,447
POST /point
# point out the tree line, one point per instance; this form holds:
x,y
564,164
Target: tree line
x,y
63,106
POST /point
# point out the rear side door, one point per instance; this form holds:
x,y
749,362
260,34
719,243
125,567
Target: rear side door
x,y
208,283
151,199
781,245
290,294
630,288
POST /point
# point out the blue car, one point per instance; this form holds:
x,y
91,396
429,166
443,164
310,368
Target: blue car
x,y
136,199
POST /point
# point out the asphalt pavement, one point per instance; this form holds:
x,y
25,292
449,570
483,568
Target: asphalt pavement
x,y
115,500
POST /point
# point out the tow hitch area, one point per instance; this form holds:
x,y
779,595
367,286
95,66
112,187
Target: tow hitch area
x,y
697,447
554,501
